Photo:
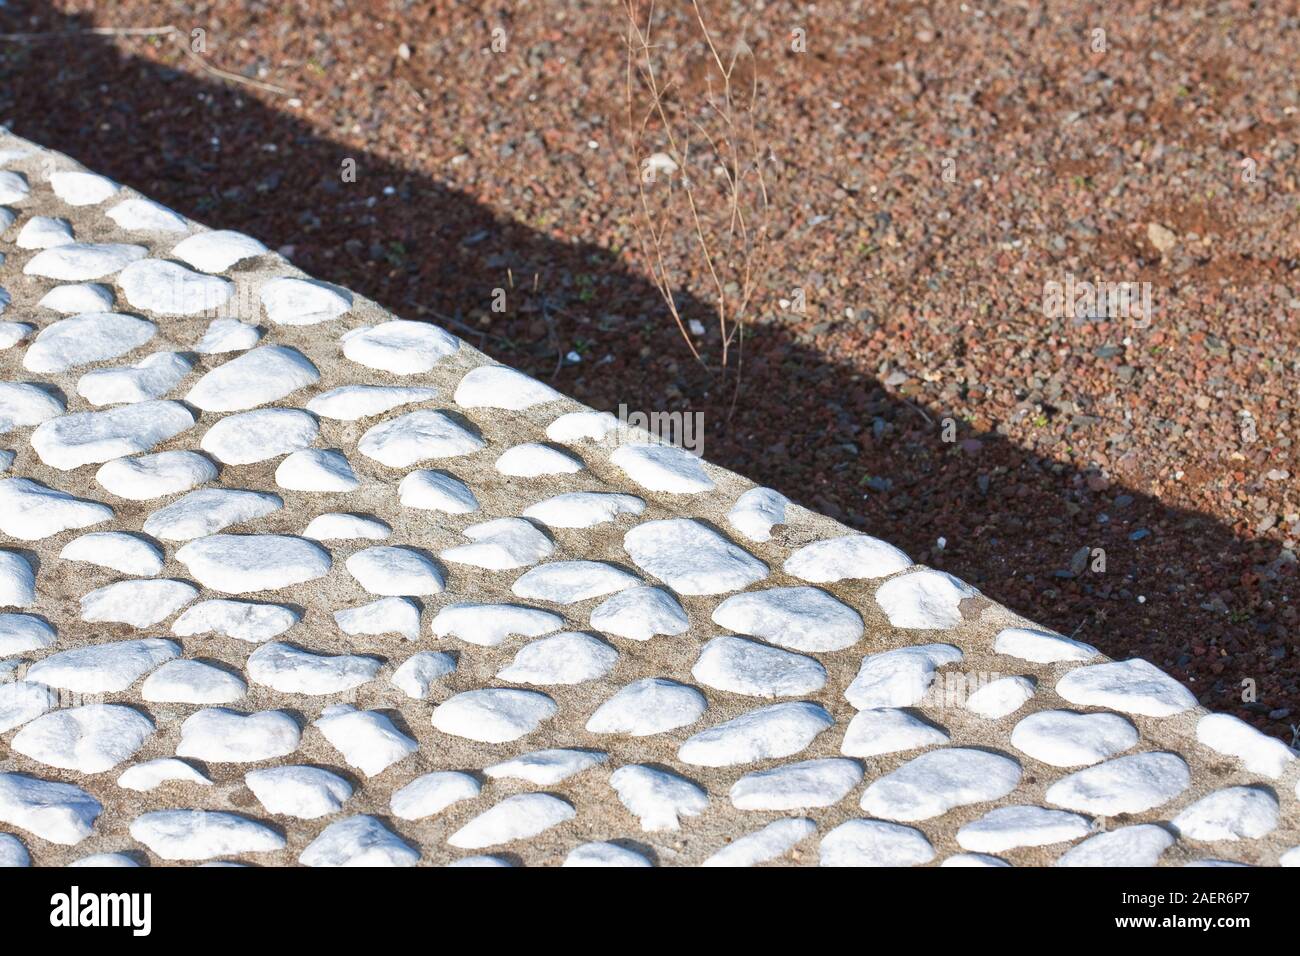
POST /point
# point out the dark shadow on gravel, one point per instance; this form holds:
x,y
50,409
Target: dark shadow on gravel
x,y
833,438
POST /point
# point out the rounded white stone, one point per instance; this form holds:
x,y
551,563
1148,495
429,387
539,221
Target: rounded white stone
x,y
500,545
242,620
691,558
150,378
78,261
217,250
202,834
17,580
246,563
208,511
848,557
1041,647
924,600
488,625
1001,697
79,298
583,509
496,386
800,618
261,375
82,189
138,603
770,843
396,572
418,436
348,403
599,853
899,678
358,841
145,215
1232,736
59,812
24,403
103,668
568,582
336,526
193,682
493,714
657,798
155,476
1233,813
22,701
757,670
227,335
545,768
1138,845
515,818
1134,687
168,288
875,843
566,658
367,739
640,613
1066,739
797,786
30,511
154,773
293,301
872,733
414,677
662,468
44,232
937,781
228,736
576,426
780,730
1006,828
20,633
535,460
399,346
651,705
432,793
436,491
82,339
88,739
85,438
292,670
306,793
259,435
316,469
1124,785
390,615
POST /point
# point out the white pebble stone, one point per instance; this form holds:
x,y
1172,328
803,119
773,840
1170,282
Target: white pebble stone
x,y
657,798
155,476
1000,697
797,786
772,842
89,739
366,738
583,509
338,526
938,781
59,812
846,558
875,843
399,346
23,632
193,682
925,600
79,298
168,288
150,378
497,386
86,438
691,558
24,403
651,705
899,678
872,733
103,668
82,189
152,774
22,701
261,375
1233,813
358,841
218,250
576,426
316,469
1041,647
227,335
500,545
1063,738
78,261
757,670
307,793
567,658
436,491
82,339
662,468
208,511
1138,845
515,818
396,572
31,511
292,670
800,618
259,435
568,582
348,403
1291,858
488,625
414,677
17,580
418,436
640,613
534,460
390,615
11,333
1134,687
145,215
202,834
228,736
432,793
106,860
1124,785
757,511
480,862
292,301
545,768
973,860
1006,828
1232,736
247,563
138,603
493,715
14,187
242,620
780,730
599,853
44,232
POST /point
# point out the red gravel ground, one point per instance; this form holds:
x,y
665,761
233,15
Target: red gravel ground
x,y
1170,447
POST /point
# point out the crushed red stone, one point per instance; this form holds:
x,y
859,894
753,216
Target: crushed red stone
x,y
1169,447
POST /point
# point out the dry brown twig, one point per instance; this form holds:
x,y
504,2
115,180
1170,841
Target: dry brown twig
x,y
168,30
698,164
